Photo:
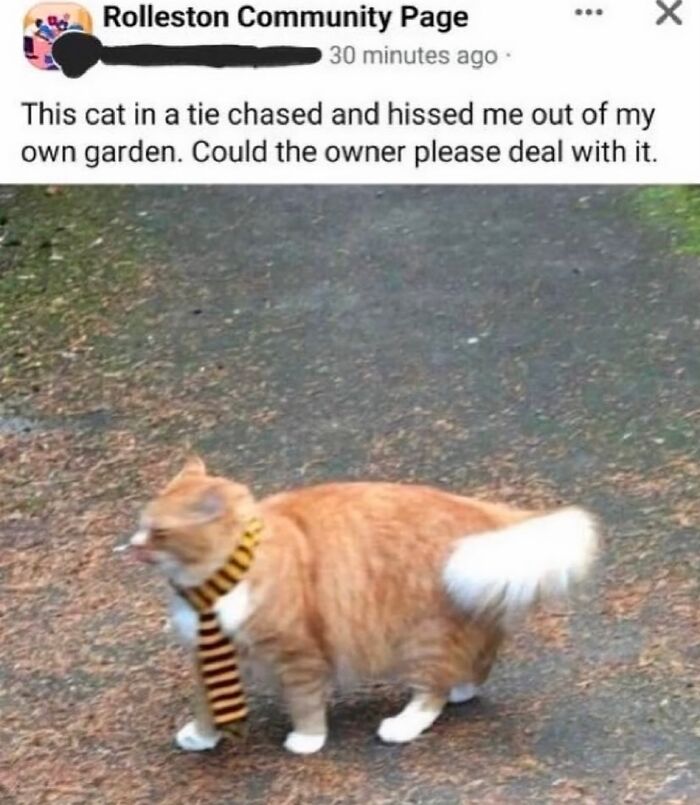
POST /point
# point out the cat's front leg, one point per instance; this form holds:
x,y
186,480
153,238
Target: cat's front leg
x,y
200,733
194,738
305,688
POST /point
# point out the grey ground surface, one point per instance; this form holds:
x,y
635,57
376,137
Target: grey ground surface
x,y
535,345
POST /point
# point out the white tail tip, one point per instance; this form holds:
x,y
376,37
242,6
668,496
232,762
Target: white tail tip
x,y
502,573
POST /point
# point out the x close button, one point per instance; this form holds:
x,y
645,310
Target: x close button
x,y
669,12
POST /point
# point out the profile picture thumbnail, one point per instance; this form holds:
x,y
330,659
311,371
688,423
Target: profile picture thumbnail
x,y
44,23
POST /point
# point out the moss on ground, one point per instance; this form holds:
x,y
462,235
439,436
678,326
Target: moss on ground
x,y
65,268
676,210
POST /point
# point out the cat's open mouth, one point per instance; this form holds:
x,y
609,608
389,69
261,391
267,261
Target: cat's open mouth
x,y
136,553
141,554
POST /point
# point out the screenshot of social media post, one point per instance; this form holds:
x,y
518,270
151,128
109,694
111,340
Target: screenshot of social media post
x,y
484,92
349,412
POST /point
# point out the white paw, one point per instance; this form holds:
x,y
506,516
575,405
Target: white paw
x,y
402,728
302,744
463,693
191,739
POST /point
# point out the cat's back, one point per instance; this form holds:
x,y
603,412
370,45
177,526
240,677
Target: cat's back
x,y
386,509
361,498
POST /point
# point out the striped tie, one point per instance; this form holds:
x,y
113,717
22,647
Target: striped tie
x,y
216,653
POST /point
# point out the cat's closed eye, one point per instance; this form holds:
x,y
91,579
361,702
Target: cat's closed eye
x,y
158,534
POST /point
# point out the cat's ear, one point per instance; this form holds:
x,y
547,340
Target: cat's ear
x,y
210,505
194,466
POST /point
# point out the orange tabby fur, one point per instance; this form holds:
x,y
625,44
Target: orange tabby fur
x,y
347,579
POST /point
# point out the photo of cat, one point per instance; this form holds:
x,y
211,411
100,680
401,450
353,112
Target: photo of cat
x,y
349,495
371,579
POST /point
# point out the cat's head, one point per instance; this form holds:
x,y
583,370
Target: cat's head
x,y
191,527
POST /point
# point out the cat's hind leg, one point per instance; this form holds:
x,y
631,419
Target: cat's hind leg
x,y
463,693
415,718
478,671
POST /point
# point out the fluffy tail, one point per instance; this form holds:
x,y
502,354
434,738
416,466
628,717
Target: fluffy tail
x,y
500,574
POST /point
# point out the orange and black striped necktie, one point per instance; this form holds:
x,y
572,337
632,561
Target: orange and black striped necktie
x,y
216,652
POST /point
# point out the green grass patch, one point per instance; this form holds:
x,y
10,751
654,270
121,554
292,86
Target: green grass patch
x,y
675,210
65,269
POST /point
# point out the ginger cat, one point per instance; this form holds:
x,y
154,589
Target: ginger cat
x,y
368,578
